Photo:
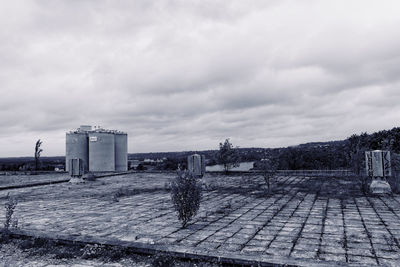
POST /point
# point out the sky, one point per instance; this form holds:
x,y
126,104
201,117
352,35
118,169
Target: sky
x,y
185,75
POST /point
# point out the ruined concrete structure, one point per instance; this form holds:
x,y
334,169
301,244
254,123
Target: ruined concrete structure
x,y
101,150
378,166
197,165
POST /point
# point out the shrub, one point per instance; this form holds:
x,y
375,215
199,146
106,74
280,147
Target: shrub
x,y
186,195
364,182
140,167
90,177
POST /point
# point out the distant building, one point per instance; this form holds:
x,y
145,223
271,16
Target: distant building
x,y
101,150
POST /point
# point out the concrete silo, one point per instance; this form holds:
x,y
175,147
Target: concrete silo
x,y
77,148
121,151
101,151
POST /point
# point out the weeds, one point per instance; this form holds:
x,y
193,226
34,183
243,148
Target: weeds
x,y
163,260
14,224
10,206
364,181
90,177
209,186
115,197
394,182
167,186
60,253
121,192
92,251
225,209
391,242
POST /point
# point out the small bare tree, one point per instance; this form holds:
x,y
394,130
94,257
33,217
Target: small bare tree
x,y
269,167
38,150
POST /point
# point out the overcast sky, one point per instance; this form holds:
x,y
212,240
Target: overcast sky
x,y
185,75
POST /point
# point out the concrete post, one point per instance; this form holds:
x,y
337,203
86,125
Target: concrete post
x,y
378,166
197,165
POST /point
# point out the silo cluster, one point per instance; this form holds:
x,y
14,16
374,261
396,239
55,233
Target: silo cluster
x,y
100,150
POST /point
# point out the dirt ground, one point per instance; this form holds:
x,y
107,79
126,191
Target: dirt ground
x,y
41,253
13,256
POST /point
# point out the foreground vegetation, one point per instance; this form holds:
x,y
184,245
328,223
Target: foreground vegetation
x,y
42,252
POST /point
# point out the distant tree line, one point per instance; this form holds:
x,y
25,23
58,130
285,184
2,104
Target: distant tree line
x,y
343,154
312,158
29,166
346,154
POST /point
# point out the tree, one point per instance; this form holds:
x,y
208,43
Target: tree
x,y
394,180
38,150
228,156
356,147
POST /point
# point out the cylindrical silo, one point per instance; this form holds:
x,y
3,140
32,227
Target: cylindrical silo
x,y
121,152
76,148
101,152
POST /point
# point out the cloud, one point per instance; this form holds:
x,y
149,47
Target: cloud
x,y
183,75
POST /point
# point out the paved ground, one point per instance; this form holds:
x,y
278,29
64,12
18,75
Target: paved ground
x,y
312,219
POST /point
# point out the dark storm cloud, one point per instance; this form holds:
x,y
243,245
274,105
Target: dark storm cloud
x,y
179,75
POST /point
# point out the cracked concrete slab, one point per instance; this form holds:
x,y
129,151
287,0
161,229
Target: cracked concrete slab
x,y
304,220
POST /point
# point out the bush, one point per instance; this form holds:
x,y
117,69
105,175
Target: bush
x,y
394,182
140,167
186,196
90,177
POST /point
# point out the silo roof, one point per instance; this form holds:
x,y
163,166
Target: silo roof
x,y
96,130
